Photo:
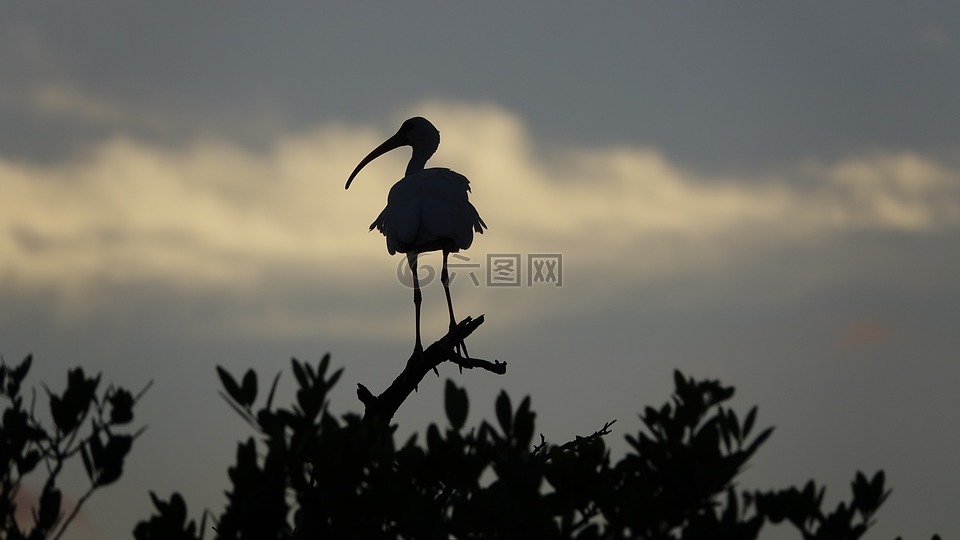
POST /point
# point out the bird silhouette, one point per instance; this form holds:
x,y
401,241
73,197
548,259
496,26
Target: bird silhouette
x,y
427,210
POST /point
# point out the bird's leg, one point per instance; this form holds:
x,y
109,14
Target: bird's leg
x,y
417,296
412,260
445,279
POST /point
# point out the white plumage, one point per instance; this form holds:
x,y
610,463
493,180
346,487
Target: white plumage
x,y
427,210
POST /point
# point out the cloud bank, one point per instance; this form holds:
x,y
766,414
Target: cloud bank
x,y
212,214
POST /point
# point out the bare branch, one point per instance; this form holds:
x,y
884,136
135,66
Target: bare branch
x,y
498,367
538,450
387,403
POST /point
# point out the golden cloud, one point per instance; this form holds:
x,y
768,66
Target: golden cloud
x,y
214,214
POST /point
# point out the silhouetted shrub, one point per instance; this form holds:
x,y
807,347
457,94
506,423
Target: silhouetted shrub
x,y
84,425
308,474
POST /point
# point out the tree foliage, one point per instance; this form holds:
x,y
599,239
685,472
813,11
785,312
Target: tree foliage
x,y
85,425
310,474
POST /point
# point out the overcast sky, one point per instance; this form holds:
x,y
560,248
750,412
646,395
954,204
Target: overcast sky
x,y
769,195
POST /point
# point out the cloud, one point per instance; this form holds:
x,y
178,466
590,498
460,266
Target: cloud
x,y
210,215
62,99
628,192
866,332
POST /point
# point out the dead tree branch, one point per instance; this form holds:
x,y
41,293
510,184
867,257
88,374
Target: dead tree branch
x,y
387,403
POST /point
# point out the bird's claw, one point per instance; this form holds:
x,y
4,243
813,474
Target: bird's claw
x,y
460,347
456,348
461,350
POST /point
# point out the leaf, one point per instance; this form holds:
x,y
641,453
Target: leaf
x,y
273,388
246,465
178,509
157,502
876,485
860,489
87,464
110,475
728,425
121,407
733,425
679,382
456,404
114,454
504,412
761,438
230,385
732,510
334,378
748,422
248,388
299,374
523,423
868,495
324,364
96,450
28,463
434,440
64,417
49,508
20,372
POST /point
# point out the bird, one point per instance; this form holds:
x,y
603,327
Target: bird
x,y
427,210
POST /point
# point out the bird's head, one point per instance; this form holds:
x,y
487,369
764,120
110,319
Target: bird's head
x,y
417,132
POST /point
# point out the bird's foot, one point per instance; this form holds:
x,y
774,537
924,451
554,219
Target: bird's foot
x,y
461,347
418,354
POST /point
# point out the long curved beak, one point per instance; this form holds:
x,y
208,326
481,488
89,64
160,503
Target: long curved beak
x,y
396,141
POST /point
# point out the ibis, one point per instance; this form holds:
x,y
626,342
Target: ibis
x,y
427,209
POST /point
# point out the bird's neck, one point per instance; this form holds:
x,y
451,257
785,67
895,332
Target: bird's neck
x,y
419,159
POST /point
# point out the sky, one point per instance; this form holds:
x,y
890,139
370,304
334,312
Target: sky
x,y
768,194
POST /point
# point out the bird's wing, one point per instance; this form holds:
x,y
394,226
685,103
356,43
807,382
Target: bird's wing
x,y
427,206
446,210
400,220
